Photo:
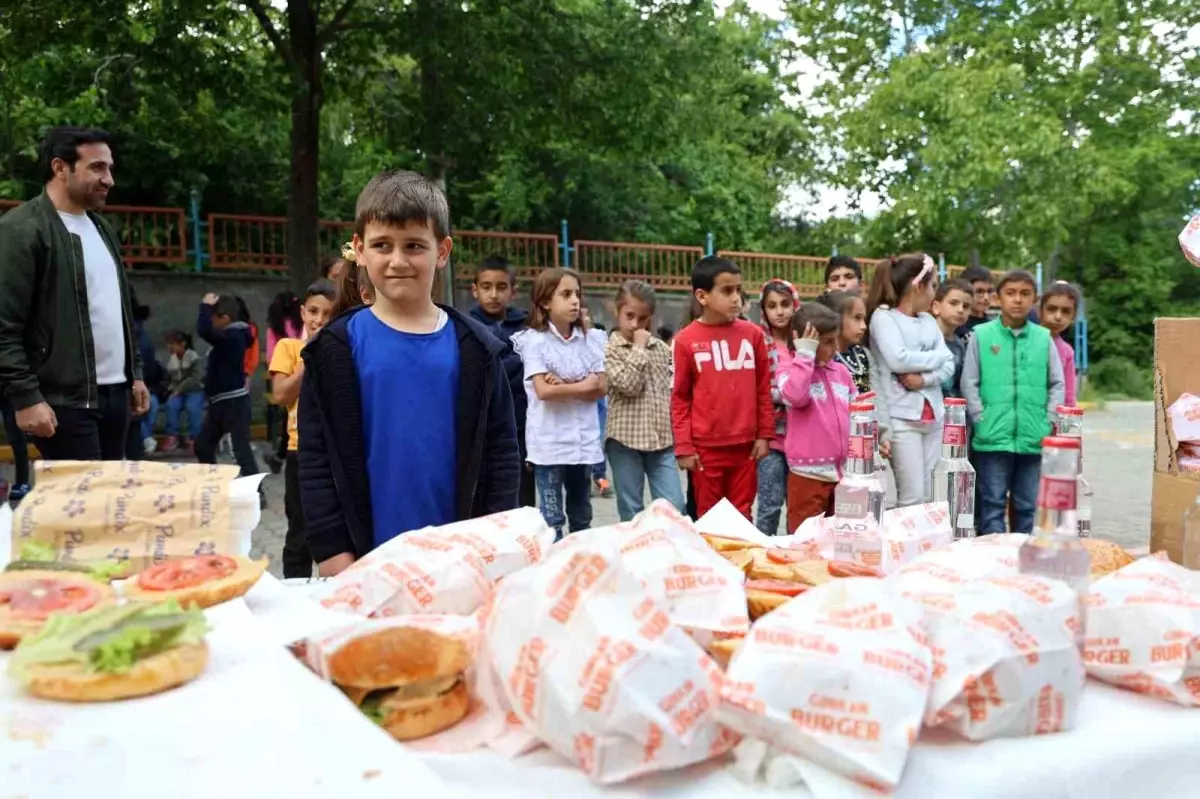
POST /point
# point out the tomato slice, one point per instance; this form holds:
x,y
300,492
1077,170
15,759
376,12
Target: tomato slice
x,y
777,587
785,556
849,568
186,572
37,599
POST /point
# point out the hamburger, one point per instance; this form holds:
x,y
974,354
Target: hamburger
x,y
407,680
199,580
115,652
30,596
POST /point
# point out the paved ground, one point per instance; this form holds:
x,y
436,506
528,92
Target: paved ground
x,y
1119,460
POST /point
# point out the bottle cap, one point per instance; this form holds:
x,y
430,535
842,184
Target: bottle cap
x,y
955,402
862,406
1060,442
1068,410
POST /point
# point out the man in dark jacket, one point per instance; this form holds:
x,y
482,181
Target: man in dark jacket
x,y
493,289
334,487
225,389
68,361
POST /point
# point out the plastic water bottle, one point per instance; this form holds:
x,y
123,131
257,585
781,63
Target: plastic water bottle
x,y
954,477
1055,549
868,397
859,497
1069,424
1191,536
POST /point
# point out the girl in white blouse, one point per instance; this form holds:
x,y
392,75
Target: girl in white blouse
x,y
564,376
912,360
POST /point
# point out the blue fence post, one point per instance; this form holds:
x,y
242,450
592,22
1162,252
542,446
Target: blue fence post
x,y
197,251
1039,277
708,243
566,245
942,267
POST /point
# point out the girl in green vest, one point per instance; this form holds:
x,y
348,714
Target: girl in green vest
x,y
911,361
1012,380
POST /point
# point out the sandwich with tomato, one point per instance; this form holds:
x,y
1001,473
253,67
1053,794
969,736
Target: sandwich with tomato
x,y
113,652
199,580
40,556
29,597
407,680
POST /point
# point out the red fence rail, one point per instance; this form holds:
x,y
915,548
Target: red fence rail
x,y
147,235
240,241
609,263
529,253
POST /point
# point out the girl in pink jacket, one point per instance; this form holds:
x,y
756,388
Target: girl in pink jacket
x,y
817,391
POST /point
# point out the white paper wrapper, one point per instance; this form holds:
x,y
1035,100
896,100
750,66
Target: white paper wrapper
x,y
725,520
912,531
1185,418
814,535
448,569
1143,630
839,675
1189,241
1006,661
589,661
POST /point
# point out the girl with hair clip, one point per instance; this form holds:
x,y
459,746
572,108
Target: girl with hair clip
x,y
778,305
911,361
1059,306
638,438
564,376
353,283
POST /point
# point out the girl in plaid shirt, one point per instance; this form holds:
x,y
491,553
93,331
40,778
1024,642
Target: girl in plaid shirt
x,y
638,439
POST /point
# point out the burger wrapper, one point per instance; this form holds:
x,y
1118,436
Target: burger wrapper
x,y
137,512
1185,418
1005,657
1143,630
701,590
1189,241
447,569
838,676
588,661
912,531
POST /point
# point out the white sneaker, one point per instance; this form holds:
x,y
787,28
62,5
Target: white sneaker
x,y
149,445
227,444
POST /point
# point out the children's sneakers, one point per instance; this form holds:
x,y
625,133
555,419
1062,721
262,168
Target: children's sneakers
x,y
170,444
604,487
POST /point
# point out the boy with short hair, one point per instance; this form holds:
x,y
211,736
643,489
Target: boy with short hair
x,y
1012,380
228,411
493,288
721,411
951,306
406,414
980,280
843,273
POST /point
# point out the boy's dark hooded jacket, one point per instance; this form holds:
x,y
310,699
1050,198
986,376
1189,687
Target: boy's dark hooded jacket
x,y
515,320
335,491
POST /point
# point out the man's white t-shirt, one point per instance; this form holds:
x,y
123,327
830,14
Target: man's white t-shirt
x,y
104,300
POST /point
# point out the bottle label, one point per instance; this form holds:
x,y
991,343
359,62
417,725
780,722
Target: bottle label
x,y
861,447
966,521
1057,493
955,435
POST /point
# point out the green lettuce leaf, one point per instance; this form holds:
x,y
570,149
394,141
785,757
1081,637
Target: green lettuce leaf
x,y
38,550
372,707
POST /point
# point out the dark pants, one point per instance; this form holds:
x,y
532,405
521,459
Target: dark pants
x,y
232,417
576,483
999,475
297,560
20,446
90,434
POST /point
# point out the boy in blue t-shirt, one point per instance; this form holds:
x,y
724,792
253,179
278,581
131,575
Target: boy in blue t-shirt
x,y
406,416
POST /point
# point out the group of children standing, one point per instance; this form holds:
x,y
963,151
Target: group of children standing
x,y
408,413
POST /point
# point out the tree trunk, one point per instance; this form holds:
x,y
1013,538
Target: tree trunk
x,y
307,98
435,115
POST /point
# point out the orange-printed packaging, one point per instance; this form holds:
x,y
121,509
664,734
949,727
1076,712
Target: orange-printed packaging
x,y
1143,630
701,590
911,531
1002,550
414,573
505,542
1185,418
839,676
1005,654
590,663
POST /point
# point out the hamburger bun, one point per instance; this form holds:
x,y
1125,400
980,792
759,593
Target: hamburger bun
x,y
409,680
206,594
760,603
762,567
742,558
83,593
723,650
727,544
74,683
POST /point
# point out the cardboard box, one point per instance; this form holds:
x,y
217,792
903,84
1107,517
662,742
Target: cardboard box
x,y
1176,352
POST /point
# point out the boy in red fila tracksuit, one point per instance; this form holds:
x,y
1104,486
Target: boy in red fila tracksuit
x,y
721,411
